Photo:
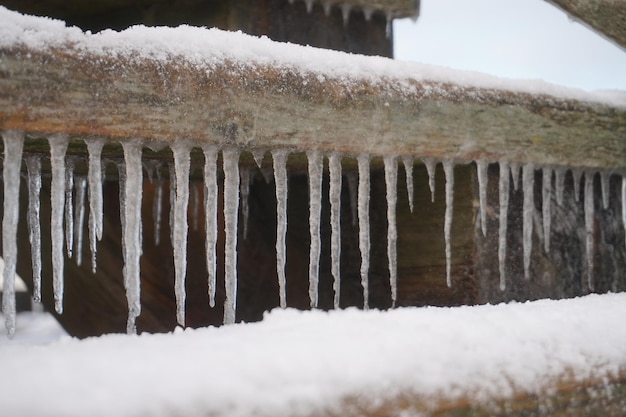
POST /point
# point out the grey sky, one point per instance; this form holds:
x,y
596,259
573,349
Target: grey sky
x,y
524,39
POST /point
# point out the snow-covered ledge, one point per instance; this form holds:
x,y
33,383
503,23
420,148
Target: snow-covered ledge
x,y
229,88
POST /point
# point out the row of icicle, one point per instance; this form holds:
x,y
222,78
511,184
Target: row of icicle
x,y
236,188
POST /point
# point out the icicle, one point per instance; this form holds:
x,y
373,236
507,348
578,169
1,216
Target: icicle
x,y
258,155
309,5
391,182
353,181
559,182
388,26
33,165
363,161
244,190
368,12
327,5
605,177
315,207
210,216
431,165
157,207
172,171
195,205
346,8
13,146
407,161
131,232
121,170
79,224
231,216
503,187
589,227
448,167
94,148
624,206
481,170
546,194
334,167
182,161
577,174
280,174
515,167
58,146
528,184
69,206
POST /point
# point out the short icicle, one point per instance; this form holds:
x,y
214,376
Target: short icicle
x,y
13,146
181,151
231,216
346,8
503,187
33,165
309,5
448,168
368,12
589,227
559,184
58,147
431,166
481,171
363,161
210,216
280,177
577,174
546,206
94,177
515,167
315,167
391,183
528,184
69,205
327,6
244,191
408,161
605,177
80,186
334,168
131,235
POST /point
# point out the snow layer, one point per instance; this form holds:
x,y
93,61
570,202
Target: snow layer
x,y
303,362
204,48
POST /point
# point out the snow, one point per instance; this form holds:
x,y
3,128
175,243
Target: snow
x,y
308,362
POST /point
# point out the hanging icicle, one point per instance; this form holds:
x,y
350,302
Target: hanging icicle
x,y
172,190
546,198
13,146
334,193
58,147
448,168
559,183
231,216
363,161
210,216
327,6
503,188
244,190
309,5
391,183
577,174
589,228
408,161
481,171
431,166
368,12
79,223
69,206
388,26
279,157
94,149
624,206
33,165
157,206
315,167
605,177
346,8
528,184
515,168
181,151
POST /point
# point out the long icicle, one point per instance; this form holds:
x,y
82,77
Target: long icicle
x,y
210,216
605,177
172,191
58,147
69,205
391,183
559,183
503,187
589,227
546,193
33,165
279,157
481,171
80,186
315,167
408,161
363,161
231,216
94,149
528,184
13,146
133,187
448,168
431,166
334,168
182,161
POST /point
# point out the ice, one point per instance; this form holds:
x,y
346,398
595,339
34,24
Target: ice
x,y
244,190
448,168
528,184
334,167
231,216
408,161
79,224
94,177
181,151
58,147
589,227
279,157
258,155
327,6
195,205
431,165
515,168
131,232
388,26
546,198
353,190
363,161
210,216
157,207
503,187
315,167
559,182
33,165
171,168
309,5
481,171
624,206
346,8
69,206
391,183
577,174
605,177
368,12
13,145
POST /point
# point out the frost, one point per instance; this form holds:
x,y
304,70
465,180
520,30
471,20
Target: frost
x,y
391,182
315,207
